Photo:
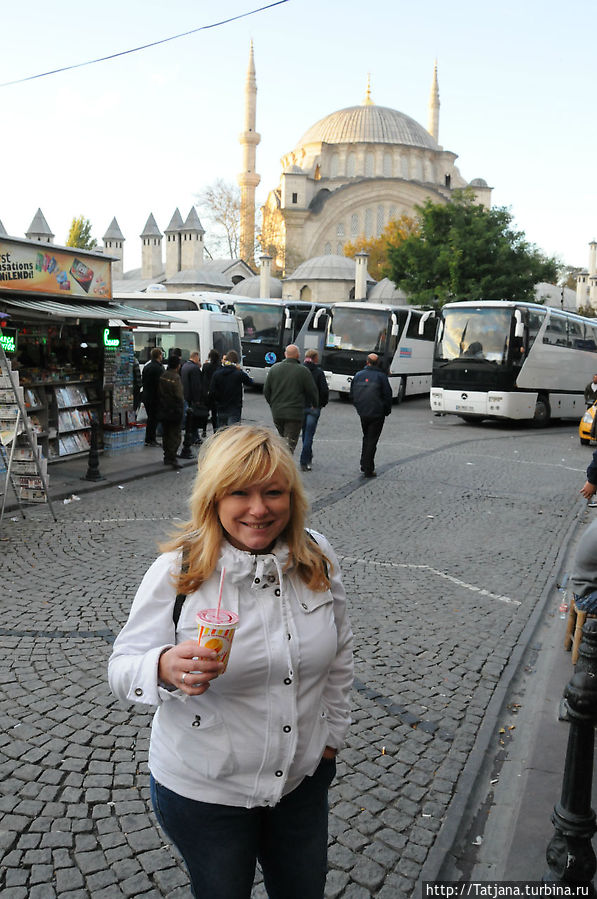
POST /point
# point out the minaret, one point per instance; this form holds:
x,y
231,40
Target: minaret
x,y
249,179
433,126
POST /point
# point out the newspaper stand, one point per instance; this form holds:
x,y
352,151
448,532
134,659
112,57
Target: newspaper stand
x,y
25,470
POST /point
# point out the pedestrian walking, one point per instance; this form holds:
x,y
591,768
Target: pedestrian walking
x,y
170,407
289,390
209,367
196,409
371,395
150,377
312,413
226,390
241,757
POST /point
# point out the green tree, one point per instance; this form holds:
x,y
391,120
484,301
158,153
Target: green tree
x,y
80,234
465,251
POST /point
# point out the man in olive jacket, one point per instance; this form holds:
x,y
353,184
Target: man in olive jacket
x,y
289,389
170,409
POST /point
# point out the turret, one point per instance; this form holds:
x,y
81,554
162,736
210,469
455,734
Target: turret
x,y
249,179
39,229
173,244
191,242
151,250
114,246
360,281
265,277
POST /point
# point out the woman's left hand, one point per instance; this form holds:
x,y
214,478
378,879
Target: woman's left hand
x,y
329,752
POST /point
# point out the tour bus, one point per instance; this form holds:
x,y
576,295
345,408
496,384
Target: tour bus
x,y
157,298
510,360
402,337
197,329
268,327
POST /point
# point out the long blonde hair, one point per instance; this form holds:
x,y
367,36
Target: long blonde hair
x,y
233,459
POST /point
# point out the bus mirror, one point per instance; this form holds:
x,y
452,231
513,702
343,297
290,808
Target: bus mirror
x,y
320,320
394,321
429,314
287,320
519,326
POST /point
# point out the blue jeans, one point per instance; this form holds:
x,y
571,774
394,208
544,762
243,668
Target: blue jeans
x,y
221,844
229,416
310,420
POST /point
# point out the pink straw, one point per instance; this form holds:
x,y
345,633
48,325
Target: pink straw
x,y
221,588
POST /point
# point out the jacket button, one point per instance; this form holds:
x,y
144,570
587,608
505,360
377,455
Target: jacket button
x,y
197,721
271,578
287,680
304,605
277,591
257,580
279,773
138,692
287,728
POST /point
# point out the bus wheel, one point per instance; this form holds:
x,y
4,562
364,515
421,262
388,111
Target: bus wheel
x,y
471,419
585,442
542,412
401,391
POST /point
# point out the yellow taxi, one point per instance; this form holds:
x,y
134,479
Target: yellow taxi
x,y
586,425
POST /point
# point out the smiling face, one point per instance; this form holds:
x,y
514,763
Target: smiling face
x,y
254,517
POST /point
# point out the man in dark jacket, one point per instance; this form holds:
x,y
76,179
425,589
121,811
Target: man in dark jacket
x,y
311,414
196,410
289,390
170,407
150,377
226,390
371,395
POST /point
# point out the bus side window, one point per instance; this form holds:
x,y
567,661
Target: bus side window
x,y
535,321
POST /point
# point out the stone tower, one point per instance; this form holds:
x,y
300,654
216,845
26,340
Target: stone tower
x,y
173,244
151,249
191,242
433,126
249,179
39,229
113,245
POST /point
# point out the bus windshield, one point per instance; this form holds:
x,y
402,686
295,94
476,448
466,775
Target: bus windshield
x,y
262,324
359,329
481,334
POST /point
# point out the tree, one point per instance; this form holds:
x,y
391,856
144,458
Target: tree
x,y
80,234
465,251
221,204
393,234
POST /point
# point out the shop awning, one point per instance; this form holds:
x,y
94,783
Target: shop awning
x,y
113,312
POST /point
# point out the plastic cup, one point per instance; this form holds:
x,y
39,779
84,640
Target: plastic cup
x,y
216,631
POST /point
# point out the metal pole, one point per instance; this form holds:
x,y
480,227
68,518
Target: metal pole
x,y
93,472
570,856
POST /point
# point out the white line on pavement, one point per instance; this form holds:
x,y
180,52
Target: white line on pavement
x,y
447,577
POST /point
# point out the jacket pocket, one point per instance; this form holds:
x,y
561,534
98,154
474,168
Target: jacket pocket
x,y
201,741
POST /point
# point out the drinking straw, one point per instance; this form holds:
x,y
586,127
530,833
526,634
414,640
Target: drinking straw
x,y
220,594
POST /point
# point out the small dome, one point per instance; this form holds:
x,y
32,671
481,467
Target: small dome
x,y
386,291
293,170
201,276
478,182
326,268
251,287
369,125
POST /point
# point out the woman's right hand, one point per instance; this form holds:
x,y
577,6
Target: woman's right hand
x,y
189,667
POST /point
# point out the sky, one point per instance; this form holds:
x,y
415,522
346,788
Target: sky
x,y
145,132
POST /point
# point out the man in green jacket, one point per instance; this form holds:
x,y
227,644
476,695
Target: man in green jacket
x,y
289,389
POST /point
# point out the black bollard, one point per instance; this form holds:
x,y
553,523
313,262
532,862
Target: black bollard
x,y
587,651
93,472
570,856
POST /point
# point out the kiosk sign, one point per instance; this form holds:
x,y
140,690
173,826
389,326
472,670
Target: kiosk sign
x,y
30,267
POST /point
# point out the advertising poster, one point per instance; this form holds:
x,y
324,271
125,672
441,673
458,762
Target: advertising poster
x,y
49,270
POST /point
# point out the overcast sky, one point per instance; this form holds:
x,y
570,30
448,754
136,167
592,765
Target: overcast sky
x,y
145,132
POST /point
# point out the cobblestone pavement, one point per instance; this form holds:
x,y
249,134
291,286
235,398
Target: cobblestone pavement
x,y
444,557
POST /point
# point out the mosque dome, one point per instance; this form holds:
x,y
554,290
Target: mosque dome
x,y
368,124
478,182
251,287
326,268
385,291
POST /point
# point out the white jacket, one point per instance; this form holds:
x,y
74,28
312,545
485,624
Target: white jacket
x,y
262,726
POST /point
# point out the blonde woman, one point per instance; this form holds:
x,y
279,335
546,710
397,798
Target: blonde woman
x,y
241,761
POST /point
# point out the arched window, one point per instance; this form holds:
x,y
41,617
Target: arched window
x,y
351,165
380,220
327,250
405,171
340,249
387,165
334,166
369,165
305,292
393,213
340,230
368,223
317,175
354,226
